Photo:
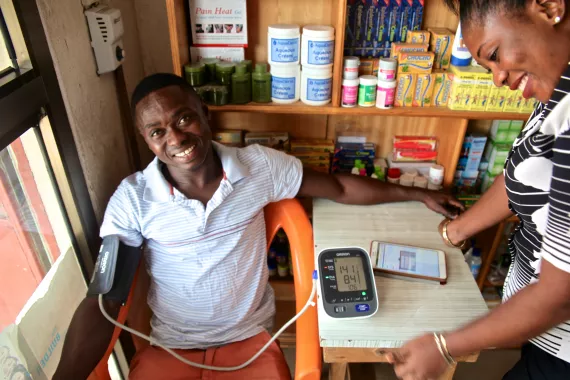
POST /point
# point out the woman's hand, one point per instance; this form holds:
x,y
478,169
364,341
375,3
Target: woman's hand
x,y
442,203
419,359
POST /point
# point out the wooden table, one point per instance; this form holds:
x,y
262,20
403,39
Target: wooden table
x,y
406,309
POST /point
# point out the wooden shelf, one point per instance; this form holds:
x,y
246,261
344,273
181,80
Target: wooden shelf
x,y
301,108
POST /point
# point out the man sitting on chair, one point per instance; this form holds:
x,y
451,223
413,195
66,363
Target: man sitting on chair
x,y
198,208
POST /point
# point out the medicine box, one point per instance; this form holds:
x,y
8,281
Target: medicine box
x,y
441,43
496,101
483,83
462,88
528,105
441,88
218,22
223,54
229,138
275,140
312,145
515,130
425,143
424,90
368,66
405,88
512,103
496,154
415,63
500,130
471,153
401,47
488,180
418,37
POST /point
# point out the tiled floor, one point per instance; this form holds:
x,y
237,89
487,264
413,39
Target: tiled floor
x,y
491,365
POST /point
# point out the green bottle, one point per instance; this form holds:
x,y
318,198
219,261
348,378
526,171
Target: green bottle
x,y
261,84
241,85
248,63
195,74
210,68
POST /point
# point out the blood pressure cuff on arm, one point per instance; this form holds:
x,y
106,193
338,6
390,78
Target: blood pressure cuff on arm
x,y
114,270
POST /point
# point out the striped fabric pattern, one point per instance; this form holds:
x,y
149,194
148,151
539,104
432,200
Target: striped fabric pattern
x,y
537,176
208,265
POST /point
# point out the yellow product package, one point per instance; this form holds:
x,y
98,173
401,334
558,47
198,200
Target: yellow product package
x,y
441,88
368,66
528,105
424,90
463,87
401,47
441,43
483,84
415,63
511,101
405,87
496,101
417,37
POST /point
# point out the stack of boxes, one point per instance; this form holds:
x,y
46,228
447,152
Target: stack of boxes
x,y
469,169
503,134
314,154
374,25
350,153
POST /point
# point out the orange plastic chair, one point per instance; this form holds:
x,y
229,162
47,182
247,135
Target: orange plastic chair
x,y
291,217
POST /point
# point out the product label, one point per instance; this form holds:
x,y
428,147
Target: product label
x,y
285,49
218,22
349,95
386,74
320,52
367,95
385,97
283,88
319,89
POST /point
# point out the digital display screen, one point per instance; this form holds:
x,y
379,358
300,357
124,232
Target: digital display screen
x,y
409,260
349,273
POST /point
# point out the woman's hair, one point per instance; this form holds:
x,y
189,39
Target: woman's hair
x,y
477,10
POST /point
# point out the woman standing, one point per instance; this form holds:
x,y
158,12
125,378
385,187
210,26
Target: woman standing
x,y
526,43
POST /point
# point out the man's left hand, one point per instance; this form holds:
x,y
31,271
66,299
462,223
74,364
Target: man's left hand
x,y
419,359
442,203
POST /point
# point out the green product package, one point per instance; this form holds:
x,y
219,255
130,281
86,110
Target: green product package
x,y
496,154
261,84
366,95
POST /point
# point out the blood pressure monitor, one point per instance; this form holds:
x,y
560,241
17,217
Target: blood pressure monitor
x,y
347,283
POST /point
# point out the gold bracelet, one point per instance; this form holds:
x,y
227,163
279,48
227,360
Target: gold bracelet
x,y
446,238
445,350
440,348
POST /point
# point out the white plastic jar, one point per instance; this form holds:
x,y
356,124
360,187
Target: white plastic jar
x,y
285,83
387,69
316,85
317,46
349,92
283,44
350,69
385,94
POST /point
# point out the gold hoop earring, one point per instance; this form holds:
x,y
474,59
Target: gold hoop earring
x,y
557,19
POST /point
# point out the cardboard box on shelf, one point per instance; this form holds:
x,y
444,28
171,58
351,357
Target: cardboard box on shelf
x,y
275,140
229,138
500,131
415,63
405,87
441,43
471,153
312,145
218,22
462,88
512,103
496,154
402,47
441,88
424,91
483,83
229,54
496,101
418,37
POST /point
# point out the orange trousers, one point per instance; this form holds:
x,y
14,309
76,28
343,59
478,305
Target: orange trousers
x,y
154,363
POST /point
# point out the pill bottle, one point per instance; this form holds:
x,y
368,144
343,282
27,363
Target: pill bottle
x,y
224,71
316,85
317,46
349,94
367,91
350,68
406,180
283,41
241,85
195,74
285,83
248,63
436,174
261,84
387,69
394,175
385,93
210,64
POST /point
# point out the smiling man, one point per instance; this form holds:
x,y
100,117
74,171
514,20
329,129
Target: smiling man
x,y
198,208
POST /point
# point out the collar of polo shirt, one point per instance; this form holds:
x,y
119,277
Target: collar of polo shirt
x,y
157,188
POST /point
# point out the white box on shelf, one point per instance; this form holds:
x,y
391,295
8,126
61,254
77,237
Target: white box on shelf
x,y
229,54
218,22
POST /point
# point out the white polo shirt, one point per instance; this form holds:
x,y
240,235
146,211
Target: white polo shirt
x,y
208,265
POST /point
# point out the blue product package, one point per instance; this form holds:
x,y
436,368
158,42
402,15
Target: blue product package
x,y
405,19
417,14
370,15
394,21
359,26
349,32
383,21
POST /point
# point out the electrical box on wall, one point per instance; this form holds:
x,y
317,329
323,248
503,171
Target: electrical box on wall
x,y
106,29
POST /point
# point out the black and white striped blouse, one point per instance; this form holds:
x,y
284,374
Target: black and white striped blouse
x,y
537,176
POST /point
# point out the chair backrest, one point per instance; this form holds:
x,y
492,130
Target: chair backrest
x,y
292,218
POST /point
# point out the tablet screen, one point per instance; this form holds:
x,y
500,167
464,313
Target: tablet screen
x,y
411,260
